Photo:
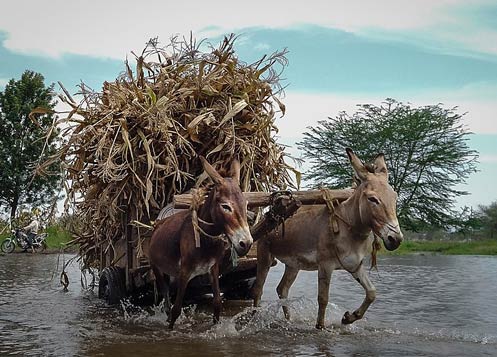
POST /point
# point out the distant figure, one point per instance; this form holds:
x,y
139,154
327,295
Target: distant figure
x,y
32,228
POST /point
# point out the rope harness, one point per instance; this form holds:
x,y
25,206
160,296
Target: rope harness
x,y
198,199
333,224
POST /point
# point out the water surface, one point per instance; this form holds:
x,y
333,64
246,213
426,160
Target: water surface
x,y
426,306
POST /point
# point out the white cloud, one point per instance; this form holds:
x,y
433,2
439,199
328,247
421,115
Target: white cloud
x,y
304,110
262,46
3,82
112,28
488,158
477,100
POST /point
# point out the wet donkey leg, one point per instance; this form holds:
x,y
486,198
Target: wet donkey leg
x,y
264,260
284,287
162,283
324,279
183,280
216,291
362,278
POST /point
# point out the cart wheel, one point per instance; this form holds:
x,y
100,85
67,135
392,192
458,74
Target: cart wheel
x,y
111,286
242,290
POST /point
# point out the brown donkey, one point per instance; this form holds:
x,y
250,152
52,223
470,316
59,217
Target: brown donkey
x,y
310,244
172,248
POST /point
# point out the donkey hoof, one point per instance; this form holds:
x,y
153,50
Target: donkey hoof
x,y
286,312
320,326
347,318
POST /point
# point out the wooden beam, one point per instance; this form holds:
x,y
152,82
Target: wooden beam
x,y
260,199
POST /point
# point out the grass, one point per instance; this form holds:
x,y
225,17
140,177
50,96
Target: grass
x,y
447,247
57,237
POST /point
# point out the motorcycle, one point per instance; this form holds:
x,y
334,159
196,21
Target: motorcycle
x,y
20,238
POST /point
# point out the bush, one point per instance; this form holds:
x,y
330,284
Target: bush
x,y
58,237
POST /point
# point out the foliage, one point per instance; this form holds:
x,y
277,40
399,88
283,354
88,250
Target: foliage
x,y
133,146
58,237
70,223
467,222
4,228
488,216
426,152
22,142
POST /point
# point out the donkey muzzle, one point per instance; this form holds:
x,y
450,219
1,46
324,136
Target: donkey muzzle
x,y
392,236
242,241
391,243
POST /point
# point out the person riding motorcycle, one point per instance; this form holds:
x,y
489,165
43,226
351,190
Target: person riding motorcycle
x,y
32,228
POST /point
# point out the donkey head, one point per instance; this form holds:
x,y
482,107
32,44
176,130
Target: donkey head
x,y
377,200
229,206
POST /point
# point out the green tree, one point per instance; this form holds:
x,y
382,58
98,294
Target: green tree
x,y
426,151
488,216
23,141
467,222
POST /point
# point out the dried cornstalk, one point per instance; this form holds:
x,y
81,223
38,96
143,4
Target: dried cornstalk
x,y
135,144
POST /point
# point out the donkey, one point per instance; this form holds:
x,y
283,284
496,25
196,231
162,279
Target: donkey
x,y
309,243
222,221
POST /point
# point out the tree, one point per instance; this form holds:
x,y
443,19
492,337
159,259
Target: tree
x,y
426,151
488,216
467,222
23,141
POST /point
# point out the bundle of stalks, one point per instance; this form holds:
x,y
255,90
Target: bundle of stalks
x,y
135,144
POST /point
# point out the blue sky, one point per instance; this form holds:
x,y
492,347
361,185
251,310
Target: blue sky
x,y
340,54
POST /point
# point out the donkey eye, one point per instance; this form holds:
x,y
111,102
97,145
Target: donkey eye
x,y
374,200
226,207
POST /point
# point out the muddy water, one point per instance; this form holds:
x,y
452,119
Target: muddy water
x,y
426,306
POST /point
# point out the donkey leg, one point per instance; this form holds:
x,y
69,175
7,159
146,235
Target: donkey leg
x,y
183,280
284,287
165,292
362,278
162,283
264,260
216,291
324,279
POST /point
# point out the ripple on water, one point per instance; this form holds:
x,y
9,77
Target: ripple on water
x,y
434,304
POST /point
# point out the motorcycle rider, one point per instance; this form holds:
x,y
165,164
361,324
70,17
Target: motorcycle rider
x,y
32,228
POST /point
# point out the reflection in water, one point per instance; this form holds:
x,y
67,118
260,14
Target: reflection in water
x,y
426,305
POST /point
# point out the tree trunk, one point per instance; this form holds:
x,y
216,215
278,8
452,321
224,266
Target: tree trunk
x,y
13,209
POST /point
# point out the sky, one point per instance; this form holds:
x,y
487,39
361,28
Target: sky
x,y
340,54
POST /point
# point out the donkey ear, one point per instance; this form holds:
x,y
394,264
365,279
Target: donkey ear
x,y
380,166
213,174
360,171
235,170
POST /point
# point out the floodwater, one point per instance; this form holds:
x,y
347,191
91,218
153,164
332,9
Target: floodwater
x,y
426,306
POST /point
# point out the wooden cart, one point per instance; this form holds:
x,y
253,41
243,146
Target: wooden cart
x,y
125,270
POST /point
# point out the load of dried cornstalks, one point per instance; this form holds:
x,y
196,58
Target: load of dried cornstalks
x,y
131,147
